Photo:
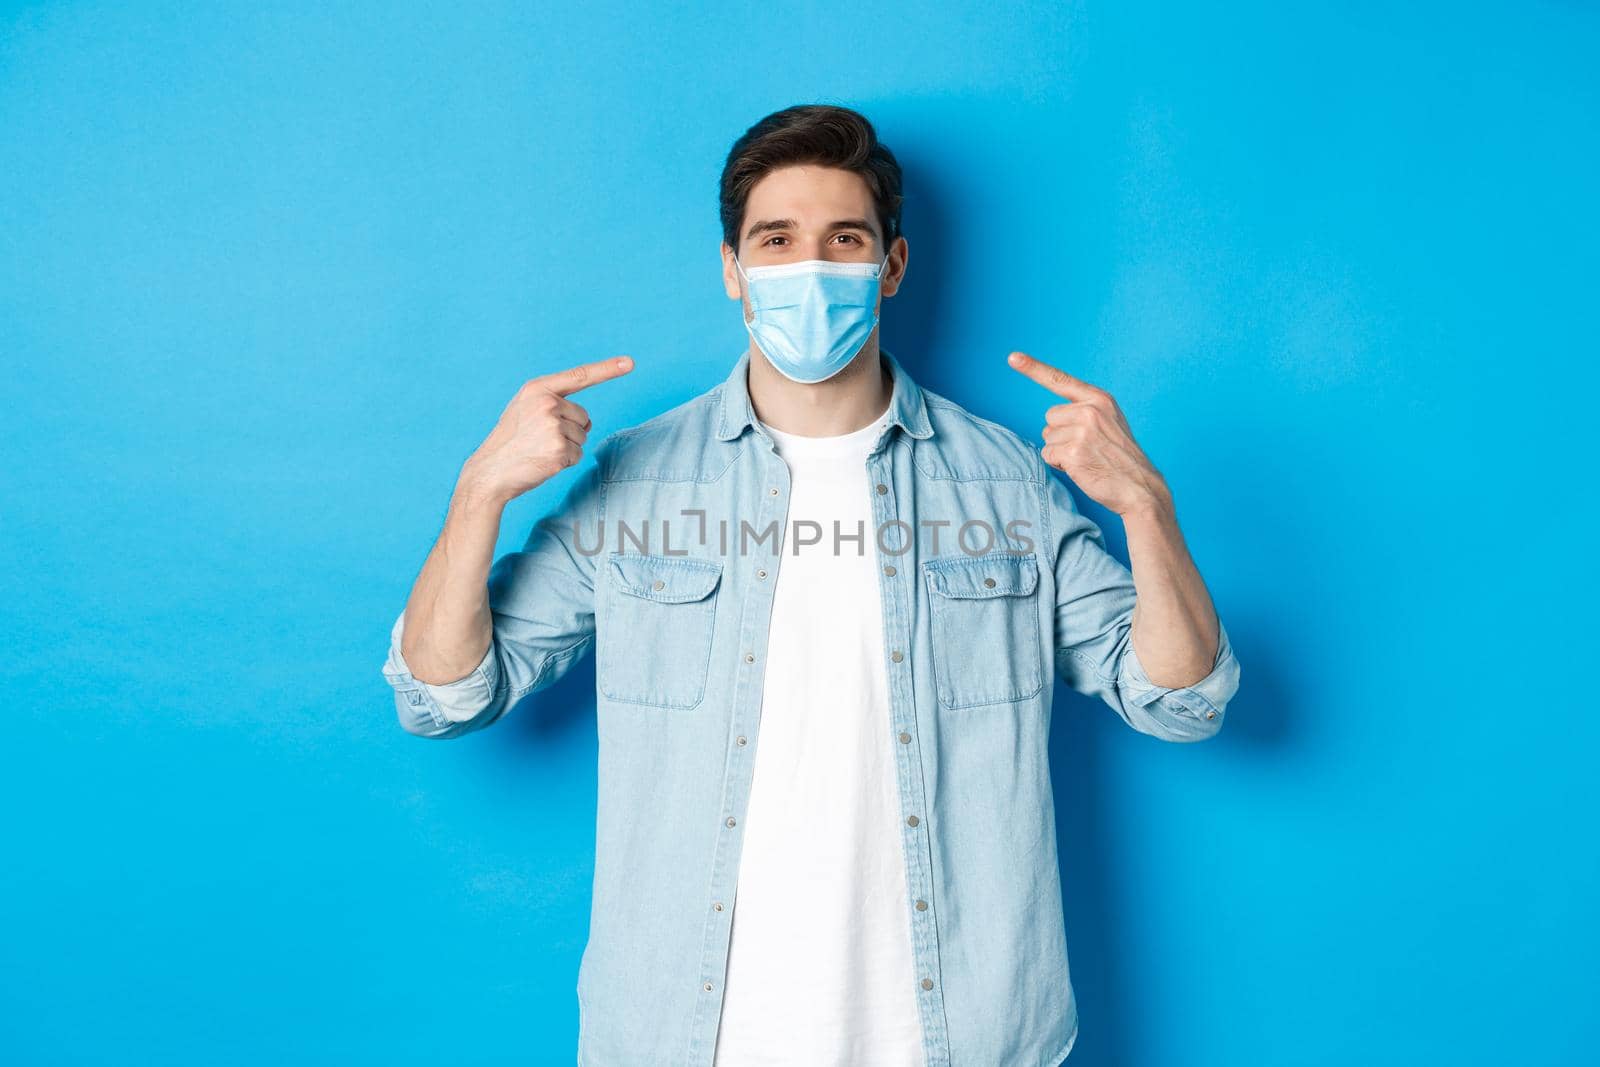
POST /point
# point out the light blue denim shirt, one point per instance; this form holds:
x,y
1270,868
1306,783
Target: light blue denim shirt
x,y
663,556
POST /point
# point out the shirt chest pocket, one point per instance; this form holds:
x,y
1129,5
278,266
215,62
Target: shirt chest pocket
x,y
985,616
654,642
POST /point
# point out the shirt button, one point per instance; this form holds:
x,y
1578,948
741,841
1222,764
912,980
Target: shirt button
x,y
896,656
889,570
988,583
658,586
882,489
707,987
927,983
922,905
905,739
718,905
749,657
772,492
741,739
910,820
761,573
1211,715
731,820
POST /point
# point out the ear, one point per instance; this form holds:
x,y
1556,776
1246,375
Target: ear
x,y
730,274
894,271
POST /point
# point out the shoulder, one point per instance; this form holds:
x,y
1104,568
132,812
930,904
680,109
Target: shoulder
x,y
969,447
678,445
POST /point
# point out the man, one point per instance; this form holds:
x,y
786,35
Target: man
x,y
827,607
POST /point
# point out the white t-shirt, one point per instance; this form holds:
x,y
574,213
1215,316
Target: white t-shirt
x,y
820,966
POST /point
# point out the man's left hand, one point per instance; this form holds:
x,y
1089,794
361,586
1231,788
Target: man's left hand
x,y
1088,439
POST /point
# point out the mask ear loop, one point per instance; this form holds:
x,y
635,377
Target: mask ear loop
x,y
739,267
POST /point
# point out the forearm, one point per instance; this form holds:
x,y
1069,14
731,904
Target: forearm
x,y
1174,622
448,626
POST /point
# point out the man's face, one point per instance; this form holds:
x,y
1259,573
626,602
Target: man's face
x,y
811,212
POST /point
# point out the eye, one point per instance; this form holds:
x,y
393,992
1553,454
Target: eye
x,y
769,240
851,236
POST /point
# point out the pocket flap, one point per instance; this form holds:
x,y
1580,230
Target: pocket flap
x,y
977,577
668,579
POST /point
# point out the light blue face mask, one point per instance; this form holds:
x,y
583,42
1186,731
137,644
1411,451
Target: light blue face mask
x,y
811,318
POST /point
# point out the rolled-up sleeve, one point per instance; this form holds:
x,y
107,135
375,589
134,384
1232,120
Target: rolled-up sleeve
x,y
1188,713
541,601
1094,651
436,710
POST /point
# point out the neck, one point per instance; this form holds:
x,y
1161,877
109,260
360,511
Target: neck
x,y
849,400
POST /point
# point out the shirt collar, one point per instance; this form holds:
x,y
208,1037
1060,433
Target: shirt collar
x,y
907,409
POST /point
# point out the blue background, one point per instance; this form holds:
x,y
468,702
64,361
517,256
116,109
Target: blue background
x,y
267,278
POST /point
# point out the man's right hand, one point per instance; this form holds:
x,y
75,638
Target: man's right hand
x,y
540,433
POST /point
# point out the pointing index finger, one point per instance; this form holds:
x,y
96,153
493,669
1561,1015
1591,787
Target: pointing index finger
x,y
1057,381
586,374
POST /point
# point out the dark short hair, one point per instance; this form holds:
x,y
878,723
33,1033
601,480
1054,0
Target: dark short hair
x,y
811,133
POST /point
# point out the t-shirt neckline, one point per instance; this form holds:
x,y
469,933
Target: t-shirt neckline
x,y
799,446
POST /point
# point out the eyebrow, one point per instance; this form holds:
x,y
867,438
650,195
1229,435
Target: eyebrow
x,y
767,225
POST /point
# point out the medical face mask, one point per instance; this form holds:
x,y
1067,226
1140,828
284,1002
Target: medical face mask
x,y
811,318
